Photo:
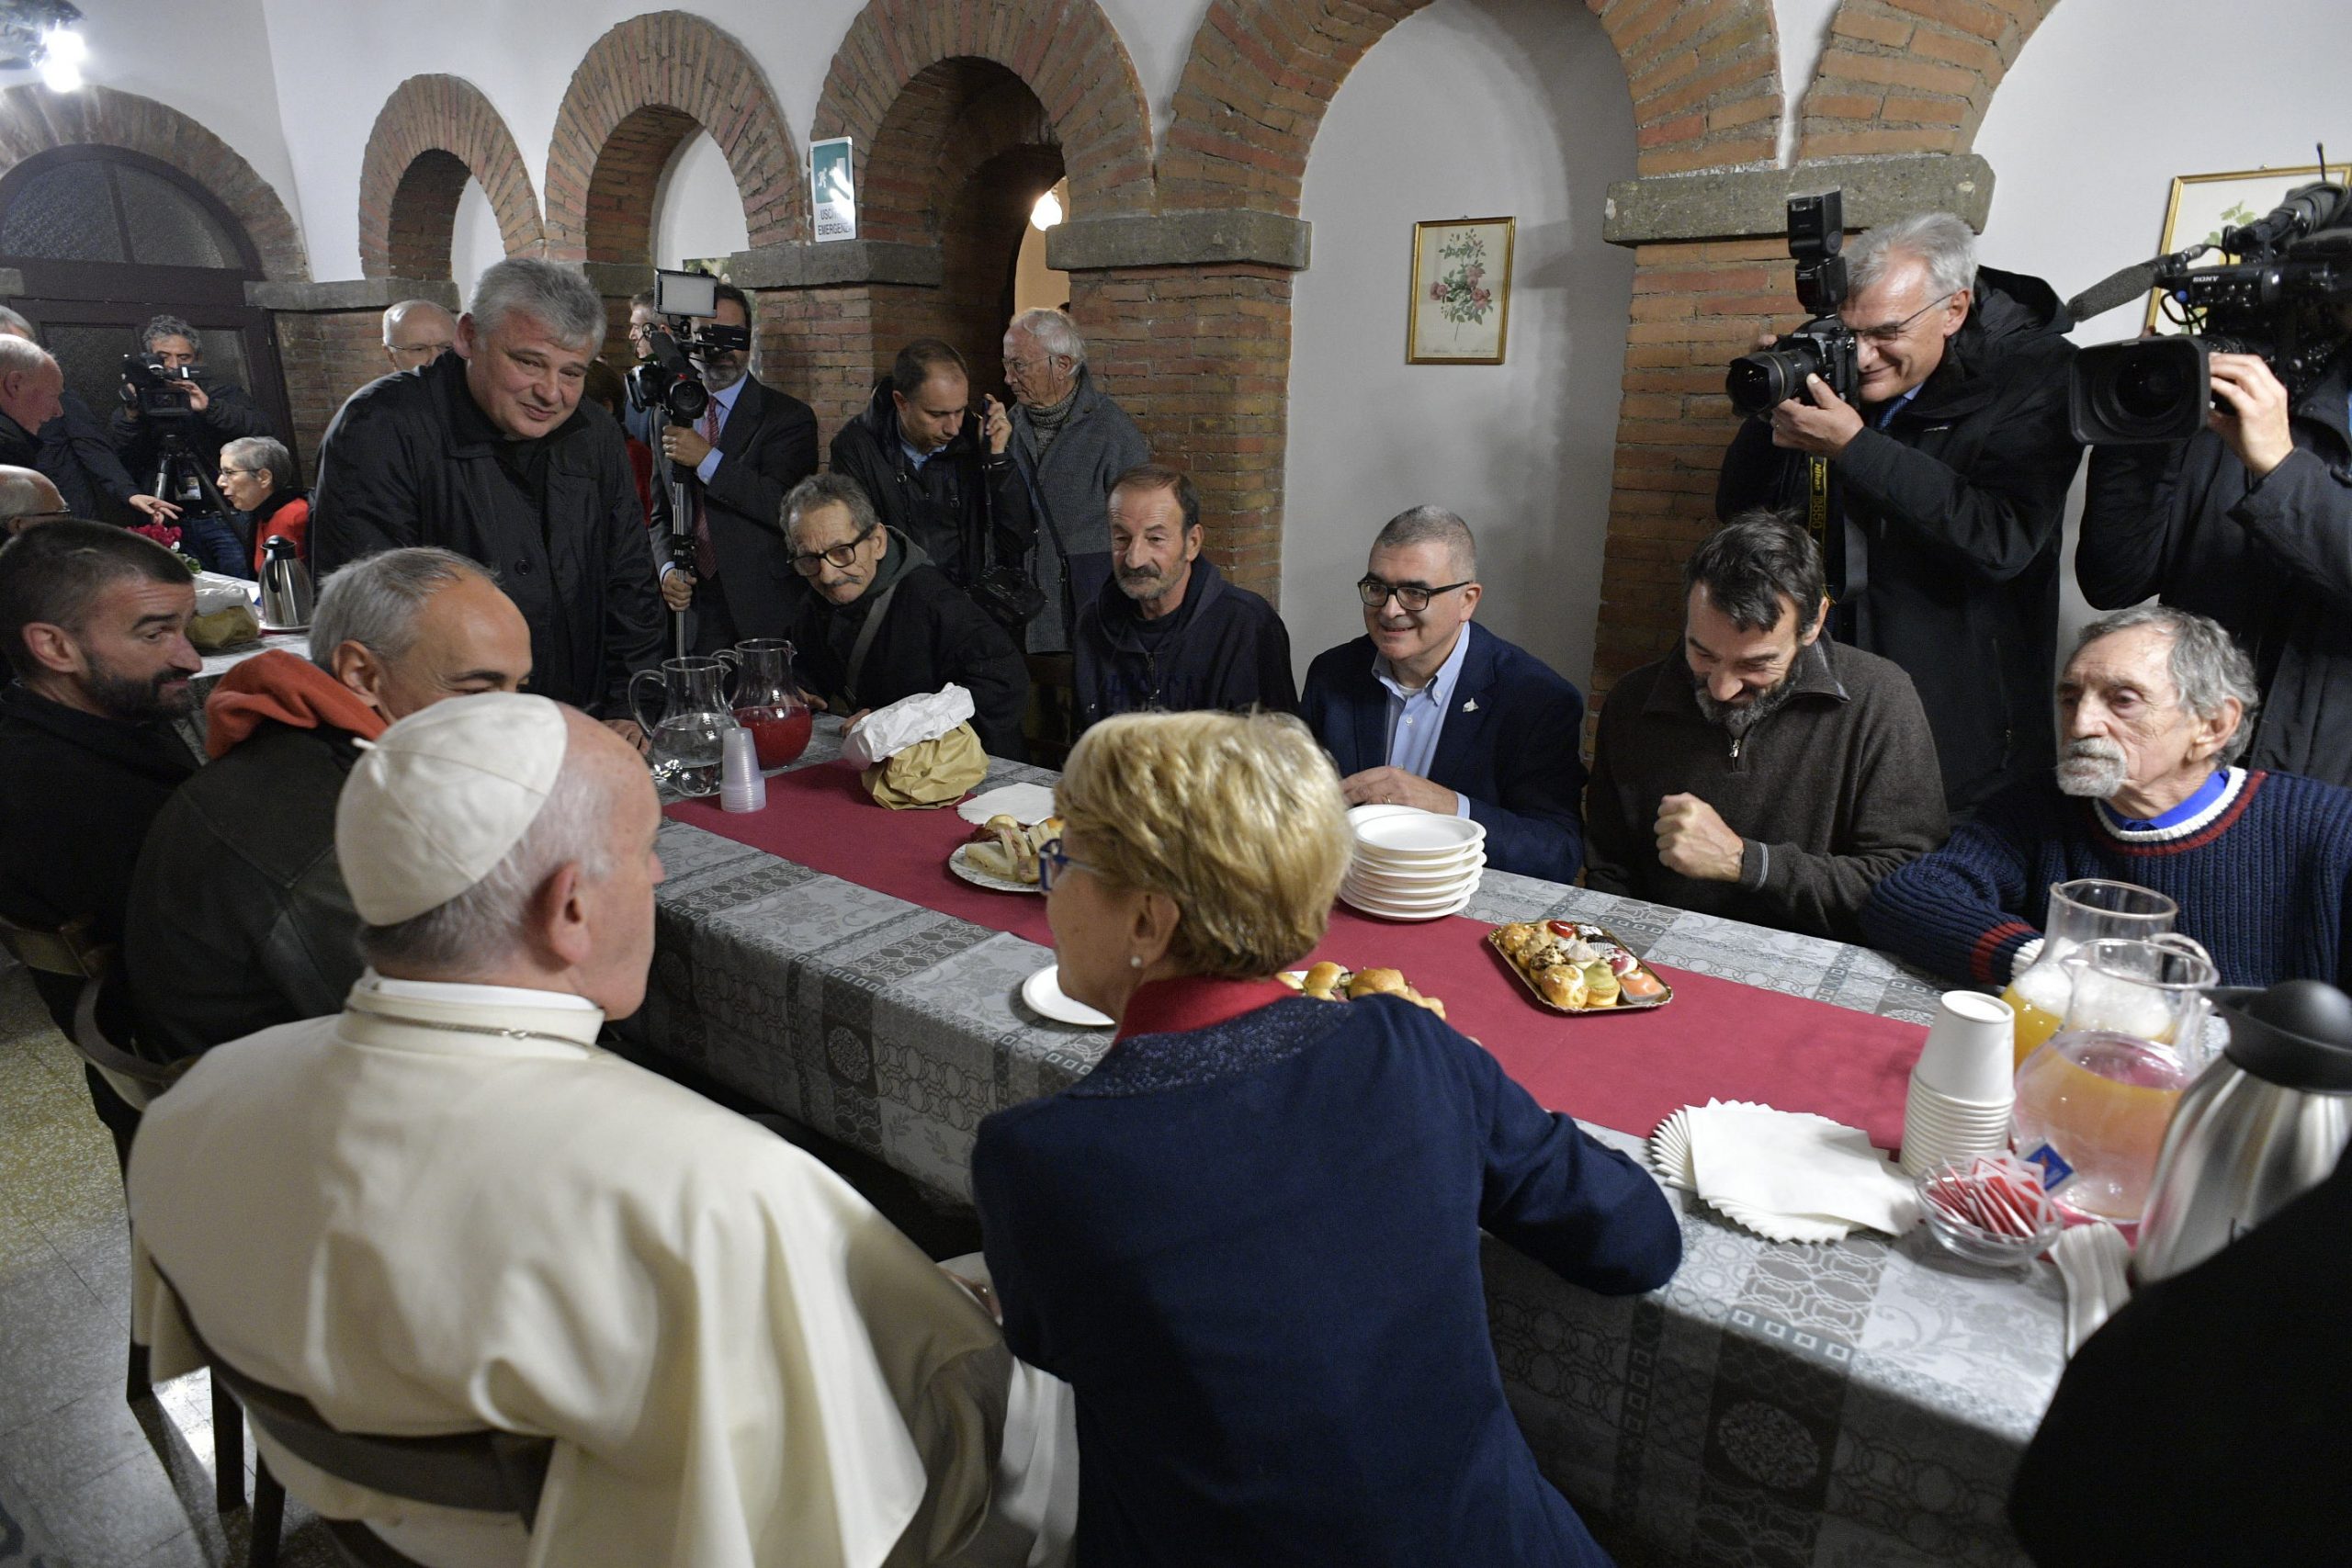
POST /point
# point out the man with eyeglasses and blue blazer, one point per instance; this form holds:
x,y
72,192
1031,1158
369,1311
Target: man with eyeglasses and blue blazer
x,y
1428,710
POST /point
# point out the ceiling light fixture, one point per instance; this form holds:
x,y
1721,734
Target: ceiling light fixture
x,y
43,35
1046,213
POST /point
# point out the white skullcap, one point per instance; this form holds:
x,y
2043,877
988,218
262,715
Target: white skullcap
x,y
434,804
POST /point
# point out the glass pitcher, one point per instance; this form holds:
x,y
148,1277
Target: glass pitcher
x,y
2093,1104
689,743
2087,910
767,699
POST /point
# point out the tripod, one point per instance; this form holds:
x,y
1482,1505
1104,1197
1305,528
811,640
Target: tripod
x,y
177,461
682,521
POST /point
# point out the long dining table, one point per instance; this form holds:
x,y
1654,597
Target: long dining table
x,y
1861,1403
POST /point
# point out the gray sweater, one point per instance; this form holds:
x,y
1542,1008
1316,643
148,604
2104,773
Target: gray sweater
x,y
1831,793
1070,483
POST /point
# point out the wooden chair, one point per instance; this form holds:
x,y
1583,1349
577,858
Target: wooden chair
x,y
69,950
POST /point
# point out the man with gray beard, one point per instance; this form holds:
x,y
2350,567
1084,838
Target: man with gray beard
x,y
2155,709
1768,775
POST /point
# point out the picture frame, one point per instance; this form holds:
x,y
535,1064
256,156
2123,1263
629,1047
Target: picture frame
x,y
2201,206
1459,310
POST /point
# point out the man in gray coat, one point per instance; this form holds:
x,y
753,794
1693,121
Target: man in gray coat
x,y
1071,443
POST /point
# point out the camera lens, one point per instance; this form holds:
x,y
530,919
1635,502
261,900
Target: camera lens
x,y
1762,380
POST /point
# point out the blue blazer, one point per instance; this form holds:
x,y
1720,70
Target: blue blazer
x,y
1513,745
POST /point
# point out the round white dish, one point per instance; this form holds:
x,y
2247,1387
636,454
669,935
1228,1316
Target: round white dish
x,y
1410,882
1373,811
1386,911
960,863
1424,839
1043,991
1414,902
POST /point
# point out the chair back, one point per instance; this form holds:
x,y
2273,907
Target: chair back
x,y
68,950
65,950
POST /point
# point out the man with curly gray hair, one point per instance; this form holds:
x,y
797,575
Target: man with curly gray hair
x,y
2153,709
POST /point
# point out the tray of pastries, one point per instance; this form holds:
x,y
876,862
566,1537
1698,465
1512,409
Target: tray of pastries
x,y
1574,966
1330,983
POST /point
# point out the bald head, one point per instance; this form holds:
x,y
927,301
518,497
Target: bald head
x,y
416,332
26,498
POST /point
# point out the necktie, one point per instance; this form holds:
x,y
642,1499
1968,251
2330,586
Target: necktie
x,y
705,559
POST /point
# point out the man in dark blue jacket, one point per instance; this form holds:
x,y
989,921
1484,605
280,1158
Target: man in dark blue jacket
x,y
1426,710
1168,631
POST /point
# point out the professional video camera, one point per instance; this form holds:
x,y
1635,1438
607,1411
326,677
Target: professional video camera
x,y
668,379
157,391
2281,296
1823,346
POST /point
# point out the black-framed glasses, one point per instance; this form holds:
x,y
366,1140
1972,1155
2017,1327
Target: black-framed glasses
x,y
1893,331
1052,861
842,557
1411,597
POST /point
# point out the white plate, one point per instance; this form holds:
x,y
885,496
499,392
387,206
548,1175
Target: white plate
x,y
1027,804
1416,886
1043,991
1373,811
1424,839
960,863
1444,897
1371,906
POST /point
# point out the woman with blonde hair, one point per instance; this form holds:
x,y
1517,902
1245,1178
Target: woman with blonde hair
x,y
1248,1238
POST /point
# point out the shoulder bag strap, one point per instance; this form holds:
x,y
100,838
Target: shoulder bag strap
x,y
865,642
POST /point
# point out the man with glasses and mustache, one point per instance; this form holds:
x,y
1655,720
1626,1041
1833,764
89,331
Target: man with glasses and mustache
x,y
1768,773
886,624
1426,710
1950,473
2155,706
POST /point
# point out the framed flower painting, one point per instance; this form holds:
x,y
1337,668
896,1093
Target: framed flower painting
x,y
1460,304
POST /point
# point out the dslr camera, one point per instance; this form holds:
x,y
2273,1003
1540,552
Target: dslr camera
x,y
668,381
156,391
1823,346
2281,297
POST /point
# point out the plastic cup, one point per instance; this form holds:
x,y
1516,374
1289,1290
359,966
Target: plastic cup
x,y
1970,1050
742,785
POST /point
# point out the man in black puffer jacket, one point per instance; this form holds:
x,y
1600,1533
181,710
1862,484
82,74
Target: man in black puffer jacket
x,y
1951,476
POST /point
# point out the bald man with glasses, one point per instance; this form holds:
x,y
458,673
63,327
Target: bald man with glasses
x,y
1426,709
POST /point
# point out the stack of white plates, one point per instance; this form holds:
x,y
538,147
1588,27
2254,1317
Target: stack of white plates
x,y
1411,864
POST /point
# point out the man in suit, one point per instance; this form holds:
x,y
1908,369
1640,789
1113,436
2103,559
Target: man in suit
x,y
752,446
1426,710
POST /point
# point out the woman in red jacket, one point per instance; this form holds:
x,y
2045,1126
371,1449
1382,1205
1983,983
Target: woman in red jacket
x,y
257,478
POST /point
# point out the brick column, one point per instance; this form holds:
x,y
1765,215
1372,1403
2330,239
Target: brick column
x,y
834,316
331,344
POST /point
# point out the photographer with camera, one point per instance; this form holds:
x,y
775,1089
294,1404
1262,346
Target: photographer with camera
x,y
1947,462
2249,520
169,432
740,457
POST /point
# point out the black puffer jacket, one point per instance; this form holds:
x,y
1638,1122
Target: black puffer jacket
x,y
967,508
2271,561
1957,503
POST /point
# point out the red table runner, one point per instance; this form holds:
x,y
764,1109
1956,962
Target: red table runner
x,y
1717,1038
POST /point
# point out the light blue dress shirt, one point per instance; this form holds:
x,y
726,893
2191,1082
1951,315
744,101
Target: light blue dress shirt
x,y
1417,718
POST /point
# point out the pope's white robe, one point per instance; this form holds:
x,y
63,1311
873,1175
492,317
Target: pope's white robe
x,y
422,1228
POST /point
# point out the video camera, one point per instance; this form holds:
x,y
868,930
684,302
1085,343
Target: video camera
x,y
2281,299
1823,346
157,391
668,379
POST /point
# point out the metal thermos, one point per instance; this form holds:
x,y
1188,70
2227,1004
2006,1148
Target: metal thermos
x,y
2264,1124
285,583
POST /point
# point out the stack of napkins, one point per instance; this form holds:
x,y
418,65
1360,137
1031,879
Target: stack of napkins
x,y
1786,1175
1026,803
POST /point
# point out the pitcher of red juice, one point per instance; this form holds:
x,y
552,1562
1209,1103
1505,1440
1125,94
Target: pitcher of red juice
x,y
767,699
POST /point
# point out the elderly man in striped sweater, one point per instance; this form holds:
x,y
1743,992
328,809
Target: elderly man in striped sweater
x,y
2155,708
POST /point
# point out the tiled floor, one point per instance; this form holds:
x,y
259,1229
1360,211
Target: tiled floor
x,y
105,1484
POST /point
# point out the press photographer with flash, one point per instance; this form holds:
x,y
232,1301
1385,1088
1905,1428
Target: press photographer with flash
x,y
2220,474
1945,456
728,449
174,421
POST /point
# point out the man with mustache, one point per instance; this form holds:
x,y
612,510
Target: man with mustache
x,y
885,624
1770,774
489,451
2155,709
1168,632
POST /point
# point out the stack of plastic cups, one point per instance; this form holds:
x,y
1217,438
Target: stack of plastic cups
x,y
742,785
1963,1087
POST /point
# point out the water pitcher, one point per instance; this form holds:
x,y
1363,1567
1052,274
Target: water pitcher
x,y
689,740
767,699
2089,908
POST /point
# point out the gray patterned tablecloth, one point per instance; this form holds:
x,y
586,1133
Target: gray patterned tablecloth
x,y
1858,1405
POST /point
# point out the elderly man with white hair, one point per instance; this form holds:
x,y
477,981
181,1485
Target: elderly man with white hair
x,y
489,451
448,1209
417,333
76,454
27,497
1071,443
2155,709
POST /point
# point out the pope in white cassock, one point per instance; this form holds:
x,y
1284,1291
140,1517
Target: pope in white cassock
x,y
447,1209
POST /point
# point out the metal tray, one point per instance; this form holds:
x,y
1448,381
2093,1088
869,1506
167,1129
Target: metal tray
x,y
1647,1004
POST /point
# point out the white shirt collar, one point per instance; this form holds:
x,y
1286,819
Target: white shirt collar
x,y
470,995
1439,688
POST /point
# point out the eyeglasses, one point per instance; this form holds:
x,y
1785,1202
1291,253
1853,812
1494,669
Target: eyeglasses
x,y
1893,331
1411,597
1052,863
842,557
228,473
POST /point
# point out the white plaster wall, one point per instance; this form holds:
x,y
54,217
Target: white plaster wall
x,y
1468,108
475,245
700,212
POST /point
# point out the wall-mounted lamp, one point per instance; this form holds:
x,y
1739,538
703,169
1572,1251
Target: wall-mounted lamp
x,y
1046,213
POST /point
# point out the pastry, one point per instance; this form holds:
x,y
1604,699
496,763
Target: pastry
x,y
1562,986
1321,980
1640,985
1600,985
1369,982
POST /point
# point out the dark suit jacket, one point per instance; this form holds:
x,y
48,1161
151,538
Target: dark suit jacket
x,y
767,445
1512,745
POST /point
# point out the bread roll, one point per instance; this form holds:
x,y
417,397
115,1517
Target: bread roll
x,y
1368,982
1322,977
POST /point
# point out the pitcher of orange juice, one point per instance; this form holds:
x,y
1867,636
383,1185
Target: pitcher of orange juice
x,y
2093,1104
2090,909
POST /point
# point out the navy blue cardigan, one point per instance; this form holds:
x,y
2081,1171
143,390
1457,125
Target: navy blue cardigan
x,y
1253,1249
1512,745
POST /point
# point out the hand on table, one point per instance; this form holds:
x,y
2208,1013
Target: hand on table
x,y
1822,427
627,730
1384,786
1693,841
2254,424
678,589
685,445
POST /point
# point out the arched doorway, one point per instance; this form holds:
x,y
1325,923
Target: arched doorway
x,y
106,239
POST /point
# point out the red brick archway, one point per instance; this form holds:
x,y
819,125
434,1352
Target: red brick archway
x,y
1912,75
640,91
433,135
34,119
